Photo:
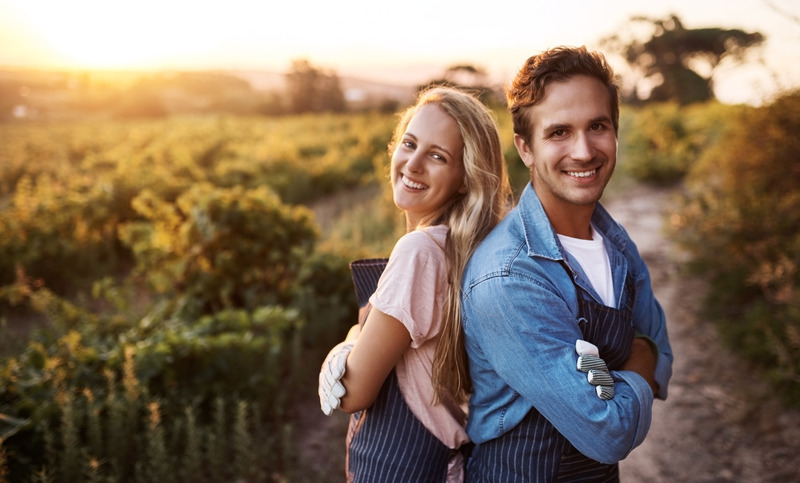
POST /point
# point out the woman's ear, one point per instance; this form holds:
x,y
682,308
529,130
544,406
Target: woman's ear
x,y
524,150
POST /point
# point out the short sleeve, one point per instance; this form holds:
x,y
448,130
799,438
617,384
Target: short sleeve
x,y
413,286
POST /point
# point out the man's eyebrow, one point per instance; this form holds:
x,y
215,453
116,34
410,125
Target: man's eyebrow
x,y
562,125
556,126
602,118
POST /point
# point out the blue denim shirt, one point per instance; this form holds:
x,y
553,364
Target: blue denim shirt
x,y
519,317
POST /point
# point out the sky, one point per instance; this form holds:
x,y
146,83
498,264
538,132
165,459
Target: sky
x,y
392,42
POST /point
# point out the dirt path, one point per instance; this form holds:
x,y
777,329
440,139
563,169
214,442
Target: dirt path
x,y
720,422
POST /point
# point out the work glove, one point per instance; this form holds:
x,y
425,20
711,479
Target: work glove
x,y
597,374
330,388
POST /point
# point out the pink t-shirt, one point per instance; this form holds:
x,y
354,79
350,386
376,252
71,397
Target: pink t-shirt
x,y
413,289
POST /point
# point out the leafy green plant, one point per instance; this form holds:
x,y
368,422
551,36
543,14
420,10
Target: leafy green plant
x,y
216,248
225,380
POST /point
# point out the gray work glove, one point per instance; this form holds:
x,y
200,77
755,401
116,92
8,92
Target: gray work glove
x,y
597,373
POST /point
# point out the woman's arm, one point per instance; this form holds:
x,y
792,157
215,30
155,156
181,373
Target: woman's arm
x,y
379,346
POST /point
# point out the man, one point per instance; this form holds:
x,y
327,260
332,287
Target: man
x,y
556,271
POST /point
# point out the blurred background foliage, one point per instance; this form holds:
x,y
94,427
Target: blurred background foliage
x,y
738,219
174,250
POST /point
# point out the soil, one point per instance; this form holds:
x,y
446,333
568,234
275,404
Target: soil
x,y
720,423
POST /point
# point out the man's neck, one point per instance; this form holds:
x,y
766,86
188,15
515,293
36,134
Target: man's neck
x,y
572,227
570,220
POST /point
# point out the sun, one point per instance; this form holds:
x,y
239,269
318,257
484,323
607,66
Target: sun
x,y
103,48
97,34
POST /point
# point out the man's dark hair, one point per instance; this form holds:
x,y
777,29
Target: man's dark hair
x,y
556,65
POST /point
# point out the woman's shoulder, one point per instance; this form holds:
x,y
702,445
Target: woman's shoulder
x,y
426,239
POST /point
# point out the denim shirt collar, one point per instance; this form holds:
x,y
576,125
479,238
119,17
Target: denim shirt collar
x,y
540,236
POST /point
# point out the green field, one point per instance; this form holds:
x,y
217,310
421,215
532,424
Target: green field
x,y
178,281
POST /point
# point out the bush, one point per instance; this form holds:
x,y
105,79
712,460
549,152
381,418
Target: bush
x,y
326,299
188,396
738,220
194,355
61,231
659,143
217,248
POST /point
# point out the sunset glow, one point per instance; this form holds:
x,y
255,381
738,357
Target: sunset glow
x,y
95,34
392,43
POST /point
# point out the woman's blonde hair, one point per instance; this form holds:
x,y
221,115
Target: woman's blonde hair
x,y
470,217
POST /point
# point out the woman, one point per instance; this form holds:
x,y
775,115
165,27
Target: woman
x,y
403,373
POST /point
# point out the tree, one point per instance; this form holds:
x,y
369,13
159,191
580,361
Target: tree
x,y
469,77
678,62
313,90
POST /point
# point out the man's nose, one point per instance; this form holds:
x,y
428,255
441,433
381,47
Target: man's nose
x,y
582,148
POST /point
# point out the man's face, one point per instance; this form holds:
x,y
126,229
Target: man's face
x,y
573,145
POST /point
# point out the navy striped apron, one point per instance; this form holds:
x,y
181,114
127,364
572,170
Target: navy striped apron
x,y
386,442
534,450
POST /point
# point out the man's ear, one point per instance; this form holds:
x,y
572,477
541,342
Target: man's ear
x,y
524,150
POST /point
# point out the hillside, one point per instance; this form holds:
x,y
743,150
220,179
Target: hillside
x,y
355,89
41,94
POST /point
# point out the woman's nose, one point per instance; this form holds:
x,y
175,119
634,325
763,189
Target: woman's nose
x,y
415,163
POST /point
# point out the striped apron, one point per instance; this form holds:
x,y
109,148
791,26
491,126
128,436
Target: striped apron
x,y
534,450
386,442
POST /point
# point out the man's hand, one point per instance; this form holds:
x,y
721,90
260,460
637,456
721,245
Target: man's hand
x,y
589,361
330,388
643,362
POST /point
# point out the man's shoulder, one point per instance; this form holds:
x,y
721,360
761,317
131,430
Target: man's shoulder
x,y
507,235
504,252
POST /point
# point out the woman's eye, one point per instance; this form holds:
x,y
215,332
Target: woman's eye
x,y
409,144
439,157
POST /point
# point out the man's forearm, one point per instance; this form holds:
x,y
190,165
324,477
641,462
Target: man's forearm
x,y
643,362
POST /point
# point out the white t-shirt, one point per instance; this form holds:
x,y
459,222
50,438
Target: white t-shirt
x,y
593,257
412,289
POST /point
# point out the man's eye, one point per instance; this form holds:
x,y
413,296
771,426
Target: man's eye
x,y
559,133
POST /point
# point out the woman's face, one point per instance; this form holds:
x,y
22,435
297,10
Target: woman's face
x,y
427,164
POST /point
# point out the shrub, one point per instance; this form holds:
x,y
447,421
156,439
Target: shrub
x,y
326,300
195,353
659,143
218,248
93,406
61,231
738,220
